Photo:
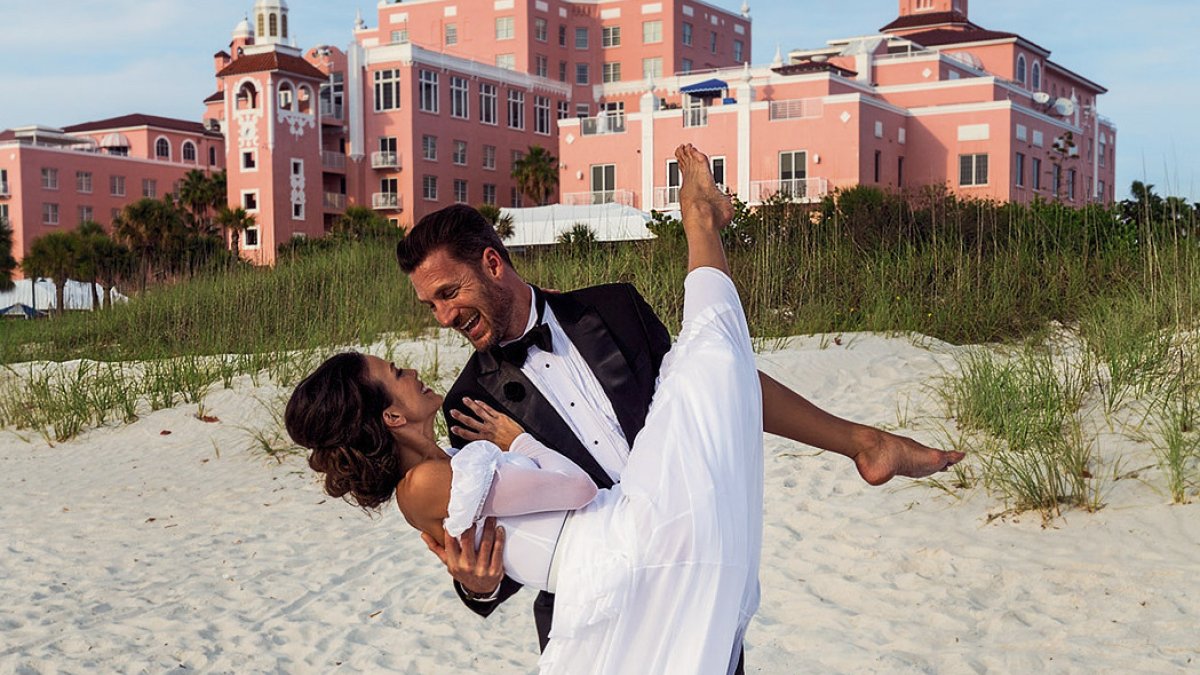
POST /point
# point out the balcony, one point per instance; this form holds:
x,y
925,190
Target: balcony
x,y
791,189
695,117
797,108
334,201
666,197
333,160
623,197
602,124
4,189
332,111
386,201
385,160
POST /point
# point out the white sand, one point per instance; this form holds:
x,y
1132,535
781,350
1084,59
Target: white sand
x,y
131,551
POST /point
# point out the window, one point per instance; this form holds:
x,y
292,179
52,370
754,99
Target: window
x,y
687,34
189,151
506,61
540,30
212,155
900,172
541,65
250,200
450,34
83,182
562,71
49,213
162,149
583,109
739,49
564,110
504,28
149,188
718,171
878,165
1056,177
297,211
50,179
429,147
1036,79
1071,175
562,35
581,73
687,66
387,153
429,91
287,97
1036,167
460,97
581,38
1103,150
460,191
604,183
972,170
249,160
85,214
652,68
793,173
1019,170
541,115
399,37
489,157
429,188
489,193
4,213
487,103
516,197
387,89
651,32
610,36
611,72
116,186
1022,75
516,109
712,42
297,167
517,156
250,237
460,153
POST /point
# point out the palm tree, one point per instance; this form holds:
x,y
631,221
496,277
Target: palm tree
x,y
359,223
8,264
89,233
235,221
195,194
537,174
55,255
153,230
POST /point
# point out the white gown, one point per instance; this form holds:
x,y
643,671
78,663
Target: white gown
x,y
660,573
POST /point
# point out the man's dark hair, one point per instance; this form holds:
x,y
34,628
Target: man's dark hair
x,y
459,230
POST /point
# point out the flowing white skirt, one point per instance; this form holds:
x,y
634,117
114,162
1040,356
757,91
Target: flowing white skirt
x,y
660,574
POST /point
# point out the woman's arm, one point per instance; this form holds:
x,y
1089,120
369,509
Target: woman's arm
x,y
555,484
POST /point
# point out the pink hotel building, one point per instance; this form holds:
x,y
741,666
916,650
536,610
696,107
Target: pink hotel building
x,y
434,104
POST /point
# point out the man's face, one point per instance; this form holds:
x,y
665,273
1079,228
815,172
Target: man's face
x,y
468,298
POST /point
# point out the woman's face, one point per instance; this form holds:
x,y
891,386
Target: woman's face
x,y
410,397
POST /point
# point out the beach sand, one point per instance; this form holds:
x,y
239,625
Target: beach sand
x,y
172,545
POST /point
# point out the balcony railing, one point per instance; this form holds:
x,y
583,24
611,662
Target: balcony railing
x,y
385,201
602,124
623,197
331,110
385,160
333,160
790,189
797,108
695,117
4,189
666,197
334,201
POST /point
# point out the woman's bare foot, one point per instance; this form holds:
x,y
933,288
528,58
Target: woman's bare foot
x,y
705,210
883,456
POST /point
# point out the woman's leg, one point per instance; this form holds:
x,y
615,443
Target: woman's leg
x,y
705,210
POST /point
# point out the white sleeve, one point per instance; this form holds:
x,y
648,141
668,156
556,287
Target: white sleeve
x,y
550,482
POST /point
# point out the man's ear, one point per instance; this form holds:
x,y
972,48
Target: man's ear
x,y
493,263
393,419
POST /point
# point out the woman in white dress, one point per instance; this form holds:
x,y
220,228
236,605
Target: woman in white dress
x,y
656,575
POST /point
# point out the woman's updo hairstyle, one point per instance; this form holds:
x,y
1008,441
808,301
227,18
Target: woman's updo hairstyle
x,y
337,413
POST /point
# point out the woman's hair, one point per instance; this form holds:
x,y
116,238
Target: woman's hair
x,y
337,413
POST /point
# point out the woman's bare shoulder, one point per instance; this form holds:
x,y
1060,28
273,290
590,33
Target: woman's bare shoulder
x,y
423,495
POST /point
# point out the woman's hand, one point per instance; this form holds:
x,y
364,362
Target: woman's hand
x,y
486,425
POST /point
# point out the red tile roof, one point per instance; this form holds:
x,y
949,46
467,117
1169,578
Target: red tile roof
x,y
813,67
8,135
941,37
140,120
268,61
218,96
934,19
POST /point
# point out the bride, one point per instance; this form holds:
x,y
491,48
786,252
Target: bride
x,y
657,574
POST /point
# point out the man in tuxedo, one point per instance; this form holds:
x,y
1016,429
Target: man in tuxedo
x,y
577,371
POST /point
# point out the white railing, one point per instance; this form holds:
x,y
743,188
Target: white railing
x,y
331,111
385,201
797,108
335,201
602,124
695,117
4,189
385,160
791,189
666,197
905,55
333,160
623,197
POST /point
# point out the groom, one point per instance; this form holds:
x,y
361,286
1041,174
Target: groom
x,y
577,370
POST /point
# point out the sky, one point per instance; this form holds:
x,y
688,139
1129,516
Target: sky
x,y
103,58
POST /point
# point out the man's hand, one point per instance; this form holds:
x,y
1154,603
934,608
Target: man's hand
x,y
478,572
488,424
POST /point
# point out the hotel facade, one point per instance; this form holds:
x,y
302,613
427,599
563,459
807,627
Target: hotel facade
x,y
435,103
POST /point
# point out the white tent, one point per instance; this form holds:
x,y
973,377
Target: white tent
x,y
543,224
77,295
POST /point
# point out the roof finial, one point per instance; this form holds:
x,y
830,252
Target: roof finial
x,y
746,9
778,61
359,24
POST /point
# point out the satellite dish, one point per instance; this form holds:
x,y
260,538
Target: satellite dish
x,y
1064,107
1041,98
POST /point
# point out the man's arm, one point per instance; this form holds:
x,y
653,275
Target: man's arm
x,y
479,579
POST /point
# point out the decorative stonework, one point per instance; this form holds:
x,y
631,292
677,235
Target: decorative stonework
x,y
296,121
247,121
298,189
845,116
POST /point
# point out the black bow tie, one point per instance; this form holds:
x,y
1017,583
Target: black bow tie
x,y
517,351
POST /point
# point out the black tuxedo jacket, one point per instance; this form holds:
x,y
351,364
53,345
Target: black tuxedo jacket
x,y
623,342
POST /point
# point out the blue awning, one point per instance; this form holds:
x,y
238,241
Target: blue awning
x,y
713,86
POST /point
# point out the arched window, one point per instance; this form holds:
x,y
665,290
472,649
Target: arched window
x,y
189,151
287,96
162,149
247,97
283,19
274,23
1036,80
1021,69
262,25
304,98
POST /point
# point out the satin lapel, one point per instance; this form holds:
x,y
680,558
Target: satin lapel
x,y
591,337
523,402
